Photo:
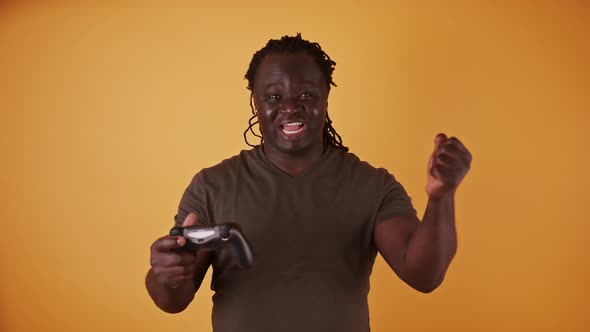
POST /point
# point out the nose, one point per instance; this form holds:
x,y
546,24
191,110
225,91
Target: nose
x,y
291,105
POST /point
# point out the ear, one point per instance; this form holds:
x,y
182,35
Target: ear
x,y
253,103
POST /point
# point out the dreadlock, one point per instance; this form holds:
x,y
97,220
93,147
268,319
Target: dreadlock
x,y
289,44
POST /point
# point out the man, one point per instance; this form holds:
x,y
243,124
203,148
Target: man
x,y
315,215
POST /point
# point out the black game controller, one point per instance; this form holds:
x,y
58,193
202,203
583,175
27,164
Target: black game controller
x,y
215,237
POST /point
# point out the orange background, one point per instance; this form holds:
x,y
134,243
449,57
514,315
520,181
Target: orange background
x,y
108,110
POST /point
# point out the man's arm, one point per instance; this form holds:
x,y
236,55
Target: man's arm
x,y
421,252
175,276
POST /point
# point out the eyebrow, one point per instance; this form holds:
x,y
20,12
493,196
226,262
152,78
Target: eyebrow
x,y
270,85
305,82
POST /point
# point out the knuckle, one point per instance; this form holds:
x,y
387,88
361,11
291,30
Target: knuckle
x,y
454,141
450,149
166,260
169,261
157,270
175,271
161,276
153,262
168,276
159,245
173,284
154,246
176,280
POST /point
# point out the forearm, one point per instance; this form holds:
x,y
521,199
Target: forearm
x,y
171,300
433,245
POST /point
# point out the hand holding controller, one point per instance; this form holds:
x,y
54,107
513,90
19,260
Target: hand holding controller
x,y
215,237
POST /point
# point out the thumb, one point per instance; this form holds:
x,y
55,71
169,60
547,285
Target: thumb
x,y
438,140
190,220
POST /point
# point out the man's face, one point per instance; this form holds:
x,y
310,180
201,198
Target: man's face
x,y
291,99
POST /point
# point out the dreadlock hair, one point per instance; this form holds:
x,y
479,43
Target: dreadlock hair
x,y
291,45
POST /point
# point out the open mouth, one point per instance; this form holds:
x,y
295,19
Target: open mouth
x,y
292,128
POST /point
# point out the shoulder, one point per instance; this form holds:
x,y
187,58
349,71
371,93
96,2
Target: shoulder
x,y
229,167
355,166
233,162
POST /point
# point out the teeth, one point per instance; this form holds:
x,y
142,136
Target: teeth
x,y
292,125
290,132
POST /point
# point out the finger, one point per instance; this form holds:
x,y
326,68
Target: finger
x,y
181,241
445,174
167,243
438,140
432,170
176,259
450,171
453,152
172,278
443,159
168,260
181,275
190,220
175,282
455,142
456,164
175,271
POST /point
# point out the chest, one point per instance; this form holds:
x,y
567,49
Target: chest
x,y
304,220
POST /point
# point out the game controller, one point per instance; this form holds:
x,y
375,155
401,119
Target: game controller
x,y
215,237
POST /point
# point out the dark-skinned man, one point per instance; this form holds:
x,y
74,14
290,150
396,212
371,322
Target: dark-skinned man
x,y
315,214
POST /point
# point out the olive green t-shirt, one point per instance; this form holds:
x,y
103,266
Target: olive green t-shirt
x,y
311,236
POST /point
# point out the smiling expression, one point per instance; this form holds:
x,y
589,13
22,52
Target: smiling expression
x,y
291,99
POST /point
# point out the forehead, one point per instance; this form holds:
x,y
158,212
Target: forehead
x,y
275,68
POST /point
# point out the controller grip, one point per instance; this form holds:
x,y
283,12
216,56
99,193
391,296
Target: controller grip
x,y
241,248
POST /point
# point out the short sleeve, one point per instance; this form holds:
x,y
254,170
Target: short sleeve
x,y
396,202
194,199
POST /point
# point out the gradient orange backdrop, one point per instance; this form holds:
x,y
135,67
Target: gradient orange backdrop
x,y
108,110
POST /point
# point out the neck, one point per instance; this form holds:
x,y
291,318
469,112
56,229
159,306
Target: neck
x,y
294,163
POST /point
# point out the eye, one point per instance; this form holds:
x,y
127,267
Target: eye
x,y
272,97
306,95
